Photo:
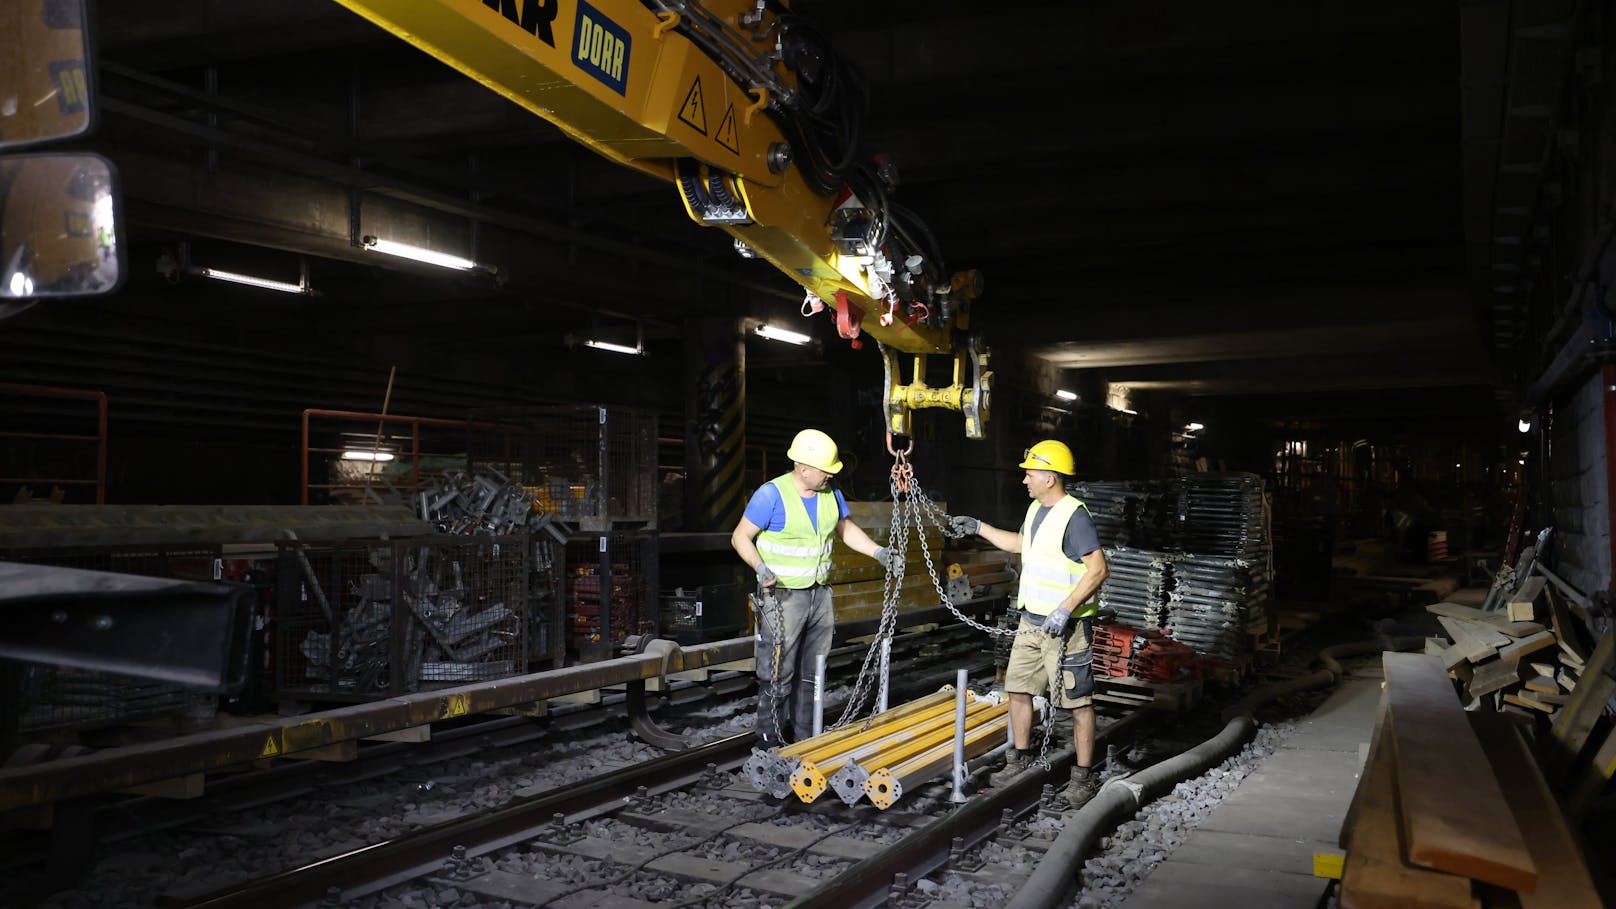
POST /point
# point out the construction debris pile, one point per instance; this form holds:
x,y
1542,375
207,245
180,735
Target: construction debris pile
x,y
382,618
485,502
1527,657
1206,577
893,753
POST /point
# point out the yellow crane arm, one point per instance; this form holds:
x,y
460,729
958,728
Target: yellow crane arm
x,y
695,92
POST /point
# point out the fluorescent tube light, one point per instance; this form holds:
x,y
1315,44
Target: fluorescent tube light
x,y
354,455
419,254
782,334
1065,395
615,348
232,277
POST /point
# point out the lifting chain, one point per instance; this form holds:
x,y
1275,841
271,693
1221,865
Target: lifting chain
x,y
911,508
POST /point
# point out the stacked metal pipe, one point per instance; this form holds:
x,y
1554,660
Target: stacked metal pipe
x,y
1209,604
1136,514
1222,514
892,753
1137,586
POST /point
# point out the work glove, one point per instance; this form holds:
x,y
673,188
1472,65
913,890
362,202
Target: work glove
x,y
962,526
1055,623
765,576
889,559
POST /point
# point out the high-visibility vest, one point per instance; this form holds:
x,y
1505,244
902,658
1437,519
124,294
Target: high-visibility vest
x,y
1047,575
799,553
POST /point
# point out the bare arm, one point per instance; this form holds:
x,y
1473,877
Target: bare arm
x,y
1089,583
1007,540
855,537
744,541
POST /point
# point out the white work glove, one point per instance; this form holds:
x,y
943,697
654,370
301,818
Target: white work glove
x,y
962,526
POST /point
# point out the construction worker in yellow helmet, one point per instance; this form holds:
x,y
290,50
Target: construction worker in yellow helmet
x,y
786,536
1062,568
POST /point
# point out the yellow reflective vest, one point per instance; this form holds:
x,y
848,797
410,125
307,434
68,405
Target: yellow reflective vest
x,y
1047,575
798,553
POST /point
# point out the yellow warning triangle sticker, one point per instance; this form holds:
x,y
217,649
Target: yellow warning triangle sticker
x,y
694,110
726,131
271,747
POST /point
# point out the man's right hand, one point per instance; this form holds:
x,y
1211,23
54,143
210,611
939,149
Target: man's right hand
x,y
960,525
765,576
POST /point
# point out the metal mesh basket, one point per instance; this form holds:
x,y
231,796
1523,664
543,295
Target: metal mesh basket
x,y
591,466
610,580
64,697
372,619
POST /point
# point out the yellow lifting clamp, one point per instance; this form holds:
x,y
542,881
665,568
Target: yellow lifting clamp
x,y
971,400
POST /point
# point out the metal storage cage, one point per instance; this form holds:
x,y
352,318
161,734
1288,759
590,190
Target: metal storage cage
x,y
592,466
64,697
600,615
370,619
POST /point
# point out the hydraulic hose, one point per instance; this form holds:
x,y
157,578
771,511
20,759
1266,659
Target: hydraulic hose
x,y
1054,882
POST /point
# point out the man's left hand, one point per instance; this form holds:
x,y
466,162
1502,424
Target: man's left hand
x,y
1055,623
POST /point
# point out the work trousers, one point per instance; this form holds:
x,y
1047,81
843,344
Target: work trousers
x,y
786,687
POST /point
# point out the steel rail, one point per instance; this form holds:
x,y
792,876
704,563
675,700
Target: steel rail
x,y
418,853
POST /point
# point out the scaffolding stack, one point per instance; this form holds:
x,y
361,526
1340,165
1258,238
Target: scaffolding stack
x,y
1208,581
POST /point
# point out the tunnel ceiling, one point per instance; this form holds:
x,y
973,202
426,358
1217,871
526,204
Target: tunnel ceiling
x,y
1234,198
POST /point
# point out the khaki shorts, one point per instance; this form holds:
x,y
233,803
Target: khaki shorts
x,y
1038,662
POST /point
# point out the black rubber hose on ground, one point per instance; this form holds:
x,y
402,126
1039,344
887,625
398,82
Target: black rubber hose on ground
x,y
1054,882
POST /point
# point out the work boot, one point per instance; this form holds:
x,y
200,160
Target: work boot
x,y
1085,783
1016,763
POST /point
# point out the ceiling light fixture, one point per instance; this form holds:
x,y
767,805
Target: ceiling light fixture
x,y
764,330
615,348
1065,395
1525,425
417,253
356,455
231,277
1194,427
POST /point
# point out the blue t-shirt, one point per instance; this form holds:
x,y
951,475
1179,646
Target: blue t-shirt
x,y
1081,536
768,511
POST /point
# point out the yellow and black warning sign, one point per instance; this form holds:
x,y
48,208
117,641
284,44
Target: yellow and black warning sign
x,y
726,131
271,747
454,705
694,111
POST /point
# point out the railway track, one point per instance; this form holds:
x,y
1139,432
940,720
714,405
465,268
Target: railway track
x,y
683,829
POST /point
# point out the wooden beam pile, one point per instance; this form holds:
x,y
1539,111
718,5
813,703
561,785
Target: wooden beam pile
x,y
1525,658
1452,810
857,580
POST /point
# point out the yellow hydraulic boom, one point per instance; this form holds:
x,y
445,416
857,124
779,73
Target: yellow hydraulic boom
x,y
750,113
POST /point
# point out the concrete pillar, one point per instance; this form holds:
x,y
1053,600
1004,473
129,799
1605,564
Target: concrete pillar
x,y
715,424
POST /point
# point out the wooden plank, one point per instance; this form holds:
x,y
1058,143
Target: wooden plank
x,y
1527,645
1454,818
1522,606
1561,623
1376,744
1375,875
1529,703
1578,604
1594,777
1563,880
1566,680
1476,642
1543,669
1572,727
1493,675
1543,683
1491,619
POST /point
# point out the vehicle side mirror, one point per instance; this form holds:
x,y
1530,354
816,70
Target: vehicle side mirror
x,y
59,226
47,88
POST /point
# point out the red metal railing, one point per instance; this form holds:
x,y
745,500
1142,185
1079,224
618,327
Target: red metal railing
x,y
370,422
100,437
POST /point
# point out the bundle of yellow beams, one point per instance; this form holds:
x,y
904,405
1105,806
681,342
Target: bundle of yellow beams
x,y
894,752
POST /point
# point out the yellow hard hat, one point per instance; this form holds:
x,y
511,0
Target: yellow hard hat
x,y
815,449
1050,455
